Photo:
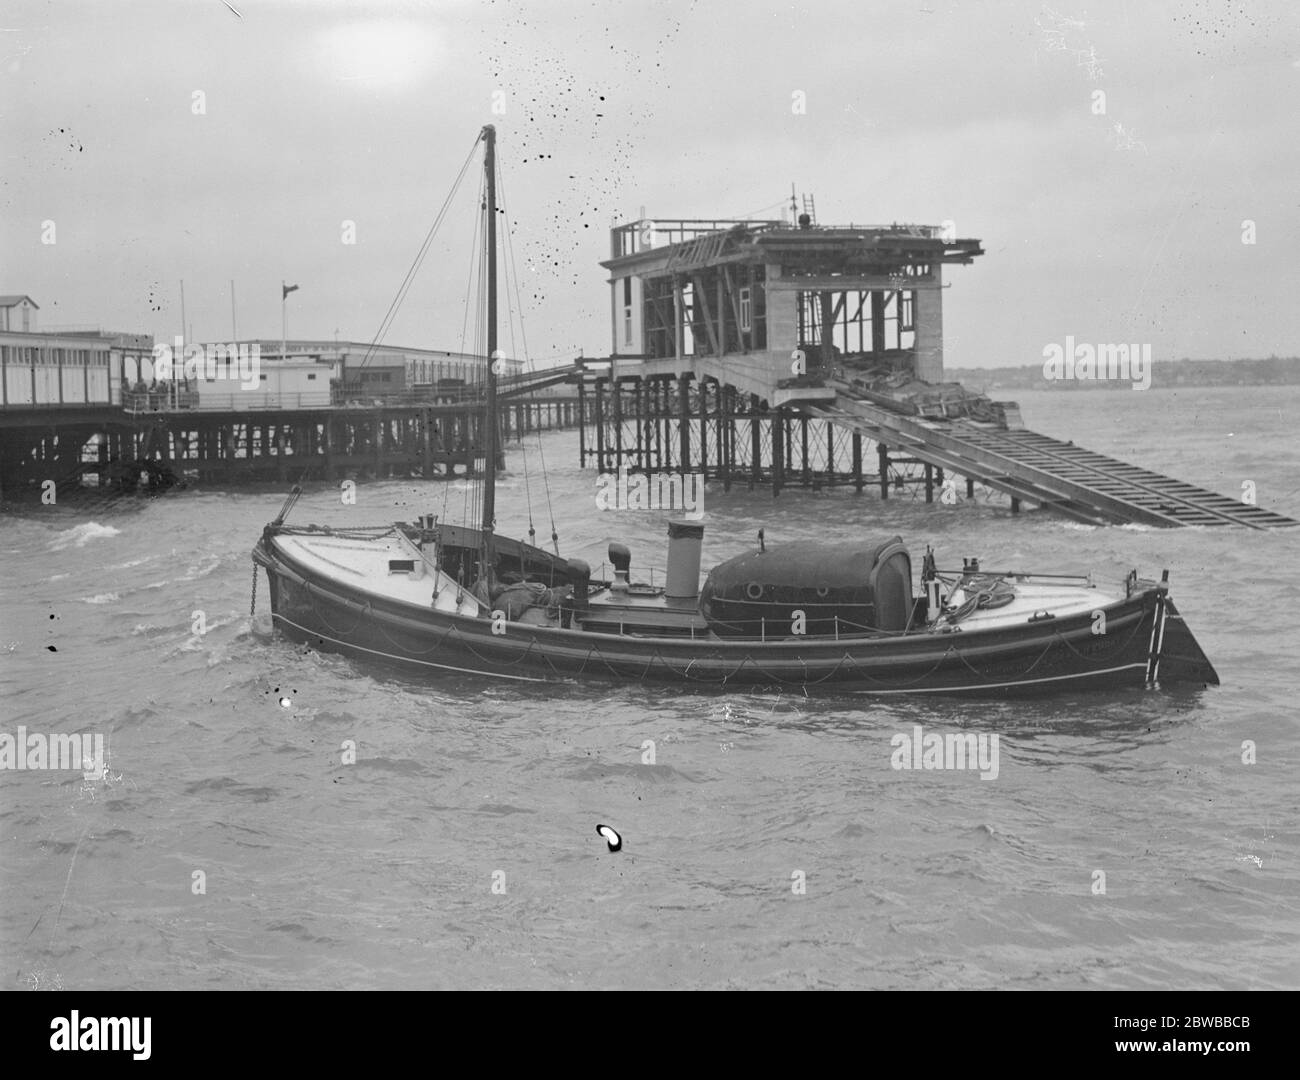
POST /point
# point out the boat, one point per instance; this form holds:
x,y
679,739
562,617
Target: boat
x,y
442,598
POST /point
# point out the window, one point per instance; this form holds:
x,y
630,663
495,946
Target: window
x,y
311,376
627,311
27,318
907,315
746,310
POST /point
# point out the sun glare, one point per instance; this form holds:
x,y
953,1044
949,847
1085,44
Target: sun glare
x,y
380,53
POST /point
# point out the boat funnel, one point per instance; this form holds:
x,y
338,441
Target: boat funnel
x,y
685,539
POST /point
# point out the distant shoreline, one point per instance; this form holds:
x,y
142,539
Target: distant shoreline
x,y
1165,375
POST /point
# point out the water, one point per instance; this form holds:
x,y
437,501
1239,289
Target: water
x,y
381,873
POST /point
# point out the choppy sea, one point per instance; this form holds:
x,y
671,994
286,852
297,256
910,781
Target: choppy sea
x,y
1130,840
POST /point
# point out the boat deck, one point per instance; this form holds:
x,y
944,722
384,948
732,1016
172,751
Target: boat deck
x,y
368,565
1034,598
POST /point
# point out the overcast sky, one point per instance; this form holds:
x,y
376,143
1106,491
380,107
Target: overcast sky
x,y
1125,226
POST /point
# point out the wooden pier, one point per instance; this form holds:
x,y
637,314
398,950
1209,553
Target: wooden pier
x,y
678,426
744,352
768,354
121,446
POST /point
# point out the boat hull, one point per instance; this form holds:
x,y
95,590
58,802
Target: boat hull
x,y
1145,642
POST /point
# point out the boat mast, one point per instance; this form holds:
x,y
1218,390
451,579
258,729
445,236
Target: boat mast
x,y
490,418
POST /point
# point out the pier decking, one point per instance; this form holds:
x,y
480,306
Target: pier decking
x,y
1060,476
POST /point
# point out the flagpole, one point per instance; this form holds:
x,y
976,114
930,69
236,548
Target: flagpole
x,y
184,341
284,333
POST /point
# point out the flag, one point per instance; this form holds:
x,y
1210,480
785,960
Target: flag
x,y
287,290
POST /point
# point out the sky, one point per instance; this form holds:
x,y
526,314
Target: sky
x,y
1131,167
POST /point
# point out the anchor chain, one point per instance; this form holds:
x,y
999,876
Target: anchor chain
x,y
252,602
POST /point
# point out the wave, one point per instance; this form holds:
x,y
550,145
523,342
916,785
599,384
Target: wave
x,y
81,535
202,569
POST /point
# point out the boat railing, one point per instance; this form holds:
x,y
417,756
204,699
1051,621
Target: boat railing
x,y
1082,580
659,577
606,573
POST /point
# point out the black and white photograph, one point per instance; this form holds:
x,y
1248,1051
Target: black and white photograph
x,y
519,496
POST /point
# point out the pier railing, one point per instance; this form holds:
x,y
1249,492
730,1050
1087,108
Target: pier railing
x,y
172,399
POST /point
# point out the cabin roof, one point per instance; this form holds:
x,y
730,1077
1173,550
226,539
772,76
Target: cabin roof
x,y
14,301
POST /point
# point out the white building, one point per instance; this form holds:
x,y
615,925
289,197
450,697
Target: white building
x,y
364,371
18,313
295,383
